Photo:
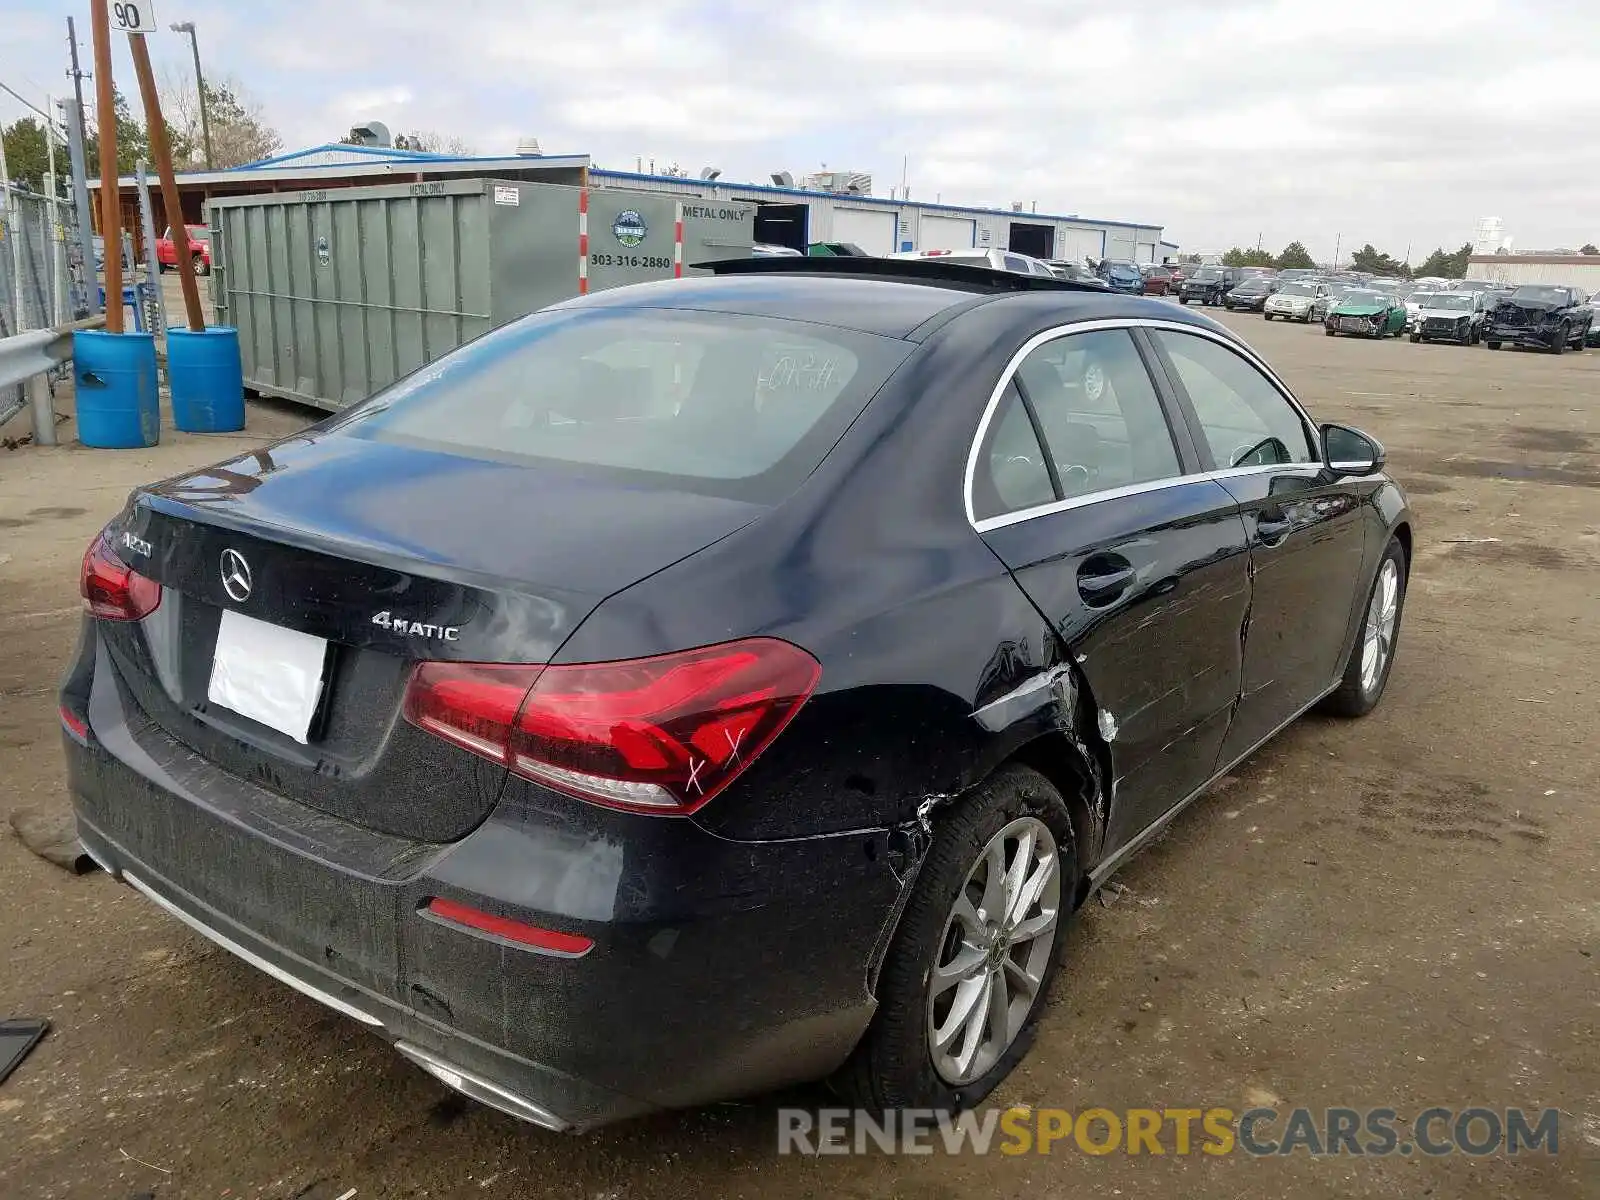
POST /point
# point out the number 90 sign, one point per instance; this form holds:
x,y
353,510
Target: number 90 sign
x,y
133,16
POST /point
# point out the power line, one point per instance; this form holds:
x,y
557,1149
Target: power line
x,y
19,96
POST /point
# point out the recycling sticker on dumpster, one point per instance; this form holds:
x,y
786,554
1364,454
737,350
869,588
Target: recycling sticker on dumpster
x,y
629,228
508,195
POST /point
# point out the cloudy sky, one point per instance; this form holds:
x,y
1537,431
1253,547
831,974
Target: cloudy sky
x,y
1399,122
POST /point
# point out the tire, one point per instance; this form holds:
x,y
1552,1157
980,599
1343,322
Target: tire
x,y
1266,316
1475,337
894,1066
1415,338
1327,331
1492,345
1361,686
202,269
1183,299
1563,336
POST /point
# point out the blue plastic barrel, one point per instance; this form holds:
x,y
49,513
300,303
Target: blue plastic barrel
x,y
207,379
119,406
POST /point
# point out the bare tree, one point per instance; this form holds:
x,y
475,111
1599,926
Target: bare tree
x,y
434,142
239,130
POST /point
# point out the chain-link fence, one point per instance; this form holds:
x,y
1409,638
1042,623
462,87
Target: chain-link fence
x,y
40,278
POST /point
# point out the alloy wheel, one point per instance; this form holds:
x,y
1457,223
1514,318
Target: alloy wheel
x,y
994,951
1378,633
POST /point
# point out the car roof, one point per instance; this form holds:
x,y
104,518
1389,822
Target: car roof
x,y
879,306
892,307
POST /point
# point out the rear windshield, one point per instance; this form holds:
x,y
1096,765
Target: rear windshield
x,y
739,406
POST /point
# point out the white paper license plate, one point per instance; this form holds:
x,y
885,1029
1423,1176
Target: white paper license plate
x,y
267,673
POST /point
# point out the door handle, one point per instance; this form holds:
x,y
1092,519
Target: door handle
x,y
1104,578
1271,531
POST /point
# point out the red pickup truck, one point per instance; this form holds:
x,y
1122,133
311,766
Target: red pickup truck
x,y
199,248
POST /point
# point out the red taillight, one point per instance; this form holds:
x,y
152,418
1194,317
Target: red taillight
x,y
75,725
473,705
571,945
111,589
661,735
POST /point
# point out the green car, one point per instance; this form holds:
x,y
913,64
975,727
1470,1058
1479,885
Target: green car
x,y
1368,313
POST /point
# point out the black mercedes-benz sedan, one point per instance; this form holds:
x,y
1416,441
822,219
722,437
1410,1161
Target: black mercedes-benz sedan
x,y
699,687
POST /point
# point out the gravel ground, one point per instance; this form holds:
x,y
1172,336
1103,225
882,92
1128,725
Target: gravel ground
x,y
1398,912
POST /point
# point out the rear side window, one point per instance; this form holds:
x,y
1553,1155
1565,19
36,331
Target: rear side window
x,y
733,405
1101,423
1098,411
1011,474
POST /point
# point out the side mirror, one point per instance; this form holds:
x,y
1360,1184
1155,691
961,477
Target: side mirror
x,y
1347,451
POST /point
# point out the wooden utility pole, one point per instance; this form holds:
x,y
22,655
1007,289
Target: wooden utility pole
x,y
110,195
161,151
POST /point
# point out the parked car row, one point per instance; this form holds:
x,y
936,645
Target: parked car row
x,y
1463,311
1466,312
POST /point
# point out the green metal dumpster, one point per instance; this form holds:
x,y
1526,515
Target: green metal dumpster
x,y
338,292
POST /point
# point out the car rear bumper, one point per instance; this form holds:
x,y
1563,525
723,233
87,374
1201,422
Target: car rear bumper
x,y
526,1090
718,968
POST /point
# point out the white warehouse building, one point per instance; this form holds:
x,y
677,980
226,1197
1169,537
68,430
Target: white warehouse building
x,y
797,217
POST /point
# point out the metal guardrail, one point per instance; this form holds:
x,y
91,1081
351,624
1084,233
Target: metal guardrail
x,y
26,361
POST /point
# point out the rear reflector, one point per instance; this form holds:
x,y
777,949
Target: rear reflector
x,y
111,589
660,735
570,944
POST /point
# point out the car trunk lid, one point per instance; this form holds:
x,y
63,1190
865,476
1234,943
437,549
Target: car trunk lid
x,y
390,555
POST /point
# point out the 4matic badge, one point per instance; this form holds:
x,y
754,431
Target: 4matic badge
x,y
629,227
410,628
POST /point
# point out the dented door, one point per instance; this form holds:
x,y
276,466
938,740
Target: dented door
x,y
1149,593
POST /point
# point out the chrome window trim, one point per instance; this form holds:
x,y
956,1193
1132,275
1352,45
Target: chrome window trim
x,y
1071,502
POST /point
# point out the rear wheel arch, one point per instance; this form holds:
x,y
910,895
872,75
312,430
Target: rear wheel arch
x,y
1084,786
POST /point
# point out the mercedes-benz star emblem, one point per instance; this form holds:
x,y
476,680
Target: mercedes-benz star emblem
x,y
235,575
